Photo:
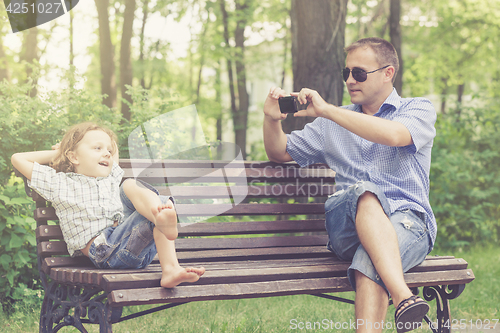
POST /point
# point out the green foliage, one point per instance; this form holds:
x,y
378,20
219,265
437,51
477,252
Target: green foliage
x,y
18,269
29,124
464,47
21,117
465,179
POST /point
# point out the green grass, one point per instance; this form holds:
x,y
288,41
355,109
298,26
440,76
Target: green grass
x,y
480,300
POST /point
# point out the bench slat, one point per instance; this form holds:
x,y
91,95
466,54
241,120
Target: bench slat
x,y
250,209
148,280
251,191
227,291
53,262
50,232
178,163
259,227
240,175
255,254
189,293
52,248
249,243
45,214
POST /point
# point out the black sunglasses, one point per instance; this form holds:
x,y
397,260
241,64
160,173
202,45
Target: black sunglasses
x,y
358,74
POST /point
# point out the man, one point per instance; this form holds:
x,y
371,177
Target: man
x,y
380,148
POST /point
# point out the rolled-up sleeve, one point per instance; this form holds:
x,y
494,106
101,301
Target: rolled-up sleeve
x,y
307,146
42,181
419,118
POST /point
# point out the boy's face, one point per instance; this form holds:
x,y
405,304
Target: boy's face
x,y
93,154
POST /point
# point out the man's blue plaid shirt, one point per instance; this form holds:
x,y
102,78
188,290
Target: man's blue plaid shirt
x,y
401,172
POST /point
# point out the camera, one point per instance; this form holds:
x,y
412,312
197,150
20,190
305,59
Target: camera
x,y
288,104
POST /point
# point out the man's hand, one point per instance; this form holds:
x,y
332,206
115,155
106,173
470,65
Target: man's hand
x,y
317,107
274,138
271,105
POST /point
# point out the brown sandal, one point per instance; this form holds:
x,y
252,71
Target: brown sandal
x,y
411,316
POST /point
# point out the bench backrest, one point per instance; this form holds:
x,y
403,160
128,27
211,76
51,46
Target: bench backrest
x,y
293,213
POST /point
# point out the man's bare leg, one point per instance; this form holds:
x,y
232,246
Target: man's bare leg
x,y
378,237
370,304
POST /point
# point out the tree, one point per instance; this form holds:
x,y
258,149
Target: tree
x,y
236,57
396,40
4,68
126,73
318,29
464,57
31,56
107,55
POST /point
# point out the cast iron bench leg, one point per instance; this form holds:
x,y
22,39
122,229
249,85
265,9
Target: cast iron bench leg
x,y
88,302
442,294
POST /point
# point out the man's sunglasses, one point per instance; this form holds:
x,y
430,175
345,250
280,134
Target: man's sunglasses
x,y
358,74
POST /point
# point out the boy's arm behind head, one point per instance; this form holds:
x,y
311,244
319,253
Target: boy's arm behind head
x,y
24,162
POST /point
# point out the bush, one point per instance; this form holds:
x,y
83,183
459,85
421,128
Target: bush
x,y
18,265
465,178
21,117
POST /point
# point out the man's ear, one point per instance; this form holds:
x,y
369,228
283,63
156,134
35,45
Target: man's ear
x,y
389,73
72,157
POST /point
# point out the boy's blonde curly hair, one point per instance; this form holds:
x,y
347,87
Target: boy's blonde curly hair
x,y
69,142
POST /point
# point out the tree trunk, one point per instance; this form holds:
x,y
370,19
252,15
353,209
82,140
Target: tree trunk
x,y
107,55
395,33
460,94
229,62
318,29
145,11
4,65
126,74
218,99
31,54
202,44
240,118
71,33
444,93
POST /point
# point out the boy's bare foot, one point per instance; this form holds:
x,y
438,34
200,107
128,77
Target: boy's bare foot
x,y
166,220
179,274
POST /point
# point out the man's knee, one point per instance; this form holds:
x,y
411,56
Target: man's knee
x,y
368,201
367,197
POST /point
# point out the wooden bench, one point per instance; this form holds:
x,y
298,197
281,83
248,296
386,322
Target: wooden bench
x,y
280,250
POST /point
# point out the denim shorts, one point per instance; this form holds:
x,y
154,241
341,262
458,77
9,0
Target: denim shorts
x,y
411,230
131,243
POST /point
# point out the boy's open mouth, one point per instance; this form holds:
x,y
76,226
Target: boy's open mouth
x,y
104,163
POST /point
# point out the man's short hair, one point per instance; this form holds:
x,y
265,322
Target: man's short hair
x,y
385,53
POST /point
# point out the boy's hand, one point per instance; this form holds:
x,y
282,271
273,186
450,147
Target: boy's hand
x,y
56,146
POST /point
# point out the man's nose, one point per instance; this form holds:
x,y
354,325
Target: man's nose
x,y
350,79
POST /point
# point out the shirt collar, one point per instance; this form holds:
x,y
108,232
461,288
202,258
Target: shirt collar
x,y
392,102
